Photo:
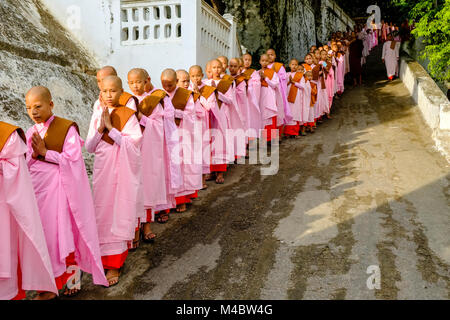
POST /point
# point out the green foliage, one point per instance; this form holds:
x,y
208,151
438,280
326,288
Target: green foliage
x,y
433,26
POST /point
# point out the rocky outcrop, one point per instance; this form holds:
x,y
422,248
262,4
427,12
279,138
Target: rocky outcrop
x,y
36,50
288,26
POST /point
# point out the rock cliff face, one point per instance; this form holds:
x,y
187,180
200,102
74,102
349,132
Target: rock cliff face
x,y
291,27
35,50
287,25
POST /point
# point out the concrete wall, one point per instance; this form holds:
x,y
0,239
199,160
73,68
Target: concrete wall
x,y
333,19
433,104
122,33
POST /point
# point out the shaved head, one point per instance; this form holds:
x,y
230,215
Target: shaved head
x,y
169,74
145,73
182,72
169,80
234,60
105,72
108,71
196,68
183,79
41,92
272,55
138,72
113,80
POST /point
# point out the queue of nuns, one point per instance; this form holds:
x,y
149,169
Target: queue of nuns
x,y
150,160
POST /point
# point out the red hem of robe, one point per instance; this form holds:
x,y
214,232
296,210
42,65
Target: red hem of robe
x,y
21,294
62,279
115,261
219,167
292,130
183,200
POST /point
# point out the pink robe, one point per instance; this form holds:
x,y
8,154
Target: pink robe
x,y
254,112
189,154
202,121
219,127
322,96
242,103
307,111
284,112
340,69
22,239
330,86
297,107
268,100
391,58
158,183
235,138
65,203
116,183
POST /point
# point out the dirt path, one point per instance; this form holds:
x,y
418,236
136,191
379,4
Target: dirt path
x,y
367,189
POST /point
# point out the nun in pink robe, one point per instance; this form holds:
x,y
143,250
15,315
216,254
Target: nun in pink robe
x,y
254,112
307,110
391,57
296,107
160,177
190,148
65,204
218,125
268,100
24,259
235,144
340,69
322,94
284,111
330,82
117,187
242,102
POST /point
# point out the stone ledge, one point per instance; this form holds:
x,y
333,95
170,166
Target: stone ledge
x,y
432,102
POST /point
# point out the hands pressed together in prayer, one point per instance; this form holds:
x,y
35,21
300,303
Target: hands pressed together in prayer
x,y
38,145
195,88
105,121
261,73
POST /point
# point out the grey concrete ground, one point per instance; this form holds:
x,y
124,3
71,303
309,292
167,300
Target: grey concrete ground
x,y
365,192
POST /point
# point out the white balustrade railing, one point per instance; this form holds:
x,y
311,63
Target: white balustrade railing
x,y
146,22
215,31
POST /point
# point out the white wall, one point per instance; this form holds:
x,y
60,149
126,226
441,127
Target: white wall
x,y
100,32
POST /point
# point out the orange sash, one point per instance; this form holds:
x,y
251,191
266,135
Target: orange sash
x,y
207,91
180,100
248,73
307,67
277,66
239,79
150,102
293,90
6,130
125,97
269,74
313,94
119,118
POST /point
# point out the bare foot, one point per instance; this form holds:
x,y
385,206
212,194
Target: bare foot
x,y
45,296
147,233
136,240
181,208
112,275
220,179
205,186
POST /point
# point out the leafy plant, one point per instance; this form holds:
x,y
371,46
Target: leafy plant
x,y
433,26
